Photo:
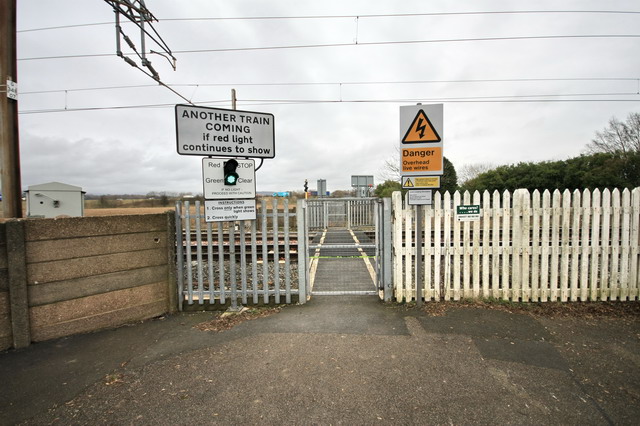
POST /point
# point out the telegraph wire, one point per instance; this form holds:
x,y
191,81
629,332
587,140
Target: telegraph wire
x,y
398,42
386,15
360,43
471,99
343,83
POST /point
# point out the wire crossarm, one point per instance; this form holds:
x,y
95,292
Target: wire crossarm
x,y
136,11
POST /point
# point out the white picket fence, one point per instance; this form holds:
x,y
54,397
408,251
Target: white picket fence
x,y
569,246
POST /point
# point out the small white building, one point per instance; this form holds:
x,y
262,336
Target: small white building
x,y
55,199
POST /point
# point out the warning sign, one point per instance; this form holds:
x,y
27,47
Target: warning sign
x,y
421,160
421,182
421,130
421,142
224,133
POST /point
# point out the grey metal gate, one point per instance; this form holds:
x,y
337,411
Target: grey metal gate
x,y
240,262
349,249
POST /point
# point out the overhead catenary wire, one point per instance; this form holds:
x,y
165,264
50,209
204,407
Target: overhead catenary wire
x,y
359,44
352,16
341,83
542,98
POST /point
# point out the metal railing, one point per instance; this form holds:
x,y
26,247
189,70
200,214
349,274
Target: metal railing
x,y
264,271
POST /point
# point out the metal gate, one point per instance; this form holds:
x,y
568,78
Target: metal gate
x,y
349,250
226,264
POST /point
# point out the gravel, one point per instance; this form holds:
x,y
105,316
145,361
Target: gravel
x,y
292,271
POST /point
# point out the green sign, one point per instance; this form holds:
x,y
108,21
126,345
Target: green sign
x,y
468,213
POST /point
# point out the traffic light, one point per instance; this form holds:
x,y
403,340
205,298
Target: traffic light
x,y
306,186
230,175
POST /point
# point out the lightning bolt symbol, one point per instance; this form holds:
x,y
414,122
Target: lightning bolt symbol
x,y
421,127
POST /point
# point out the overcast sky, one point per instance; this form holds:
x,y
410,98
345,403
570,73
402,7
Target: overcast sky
x,y
510,93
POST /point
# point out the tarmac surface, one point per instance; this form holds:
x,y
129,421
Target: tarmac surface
x,y
336,360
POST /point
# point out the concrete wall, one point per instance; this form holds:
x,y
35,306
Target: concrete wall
x,y
74,275
6,337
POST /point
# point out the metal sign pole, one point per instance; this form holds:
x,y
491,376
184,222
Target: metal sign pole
x,y
419,271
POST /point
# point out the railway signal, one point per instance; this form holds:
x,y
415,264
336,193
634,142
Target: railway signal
x,y
230,175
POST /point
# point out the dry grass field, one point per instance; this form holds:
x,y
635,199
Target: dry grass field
x,y
125,210
142,206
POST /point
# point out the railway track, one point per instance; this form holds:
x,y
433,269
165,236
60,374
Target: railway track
x,y
237,247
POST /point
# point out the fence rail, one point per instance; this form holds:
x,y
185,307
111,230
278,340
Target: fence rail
x,y
570,246
341,212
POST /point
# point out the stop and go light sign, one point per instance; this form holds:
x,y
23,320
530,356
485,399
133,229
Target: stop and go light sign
x,y
225,179
230,174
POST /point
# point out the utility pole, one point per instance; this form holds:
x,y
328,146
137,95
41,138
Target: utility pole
x,y
9,141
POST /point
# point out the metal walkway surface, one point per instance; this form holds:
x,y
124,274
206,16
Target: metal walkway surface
x,y
342,263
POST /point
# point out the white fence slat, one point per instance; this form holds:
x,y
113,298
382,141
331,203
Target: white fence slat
x,y
525,242
625,211
634,239
475,293
516,245
447,245
456,250
596,249
437,246
555,245
615,245
506,246
566,248
544,251
496,248
575,241
466,251
486,234
536,213
585,250
605,292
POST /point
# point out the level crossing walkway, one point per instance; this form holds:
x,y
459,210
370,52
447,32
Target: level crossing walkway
x,y
342,263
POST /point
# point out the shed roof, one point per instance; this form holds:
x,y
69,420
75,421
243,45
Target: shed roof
x,y
55,186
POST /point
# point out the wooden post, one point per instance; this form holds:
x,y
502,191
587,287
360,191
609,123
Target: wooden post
x,y
9,142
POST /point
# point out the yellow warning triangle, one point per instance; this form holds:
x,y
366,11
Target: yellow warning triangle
x,y
408,184
421,130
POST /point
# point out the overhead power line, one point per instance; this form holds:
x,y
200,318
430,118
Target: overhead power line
x,y
531,98
353,16
371,43
340,83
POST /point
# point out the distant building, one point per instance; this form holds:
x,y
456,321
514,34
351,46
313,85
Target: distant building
x,y
55,199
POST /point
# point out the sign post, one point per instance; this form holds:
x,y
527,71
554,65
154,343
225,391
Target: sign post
x,y
421,166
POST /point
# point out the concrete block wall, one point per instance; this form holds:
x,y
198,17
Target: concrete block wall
x,y
76,275
6,336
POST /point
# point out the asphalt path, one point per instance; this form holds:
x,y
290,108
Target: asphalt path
x,y
335,360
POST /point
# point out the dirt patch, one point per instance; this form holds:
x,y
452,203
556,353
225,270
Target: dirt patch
x,y
586,310
226,320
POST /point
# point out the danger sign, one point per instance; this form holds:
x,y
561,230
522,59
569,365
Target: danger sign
x,y
421,130
418,161
421,140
